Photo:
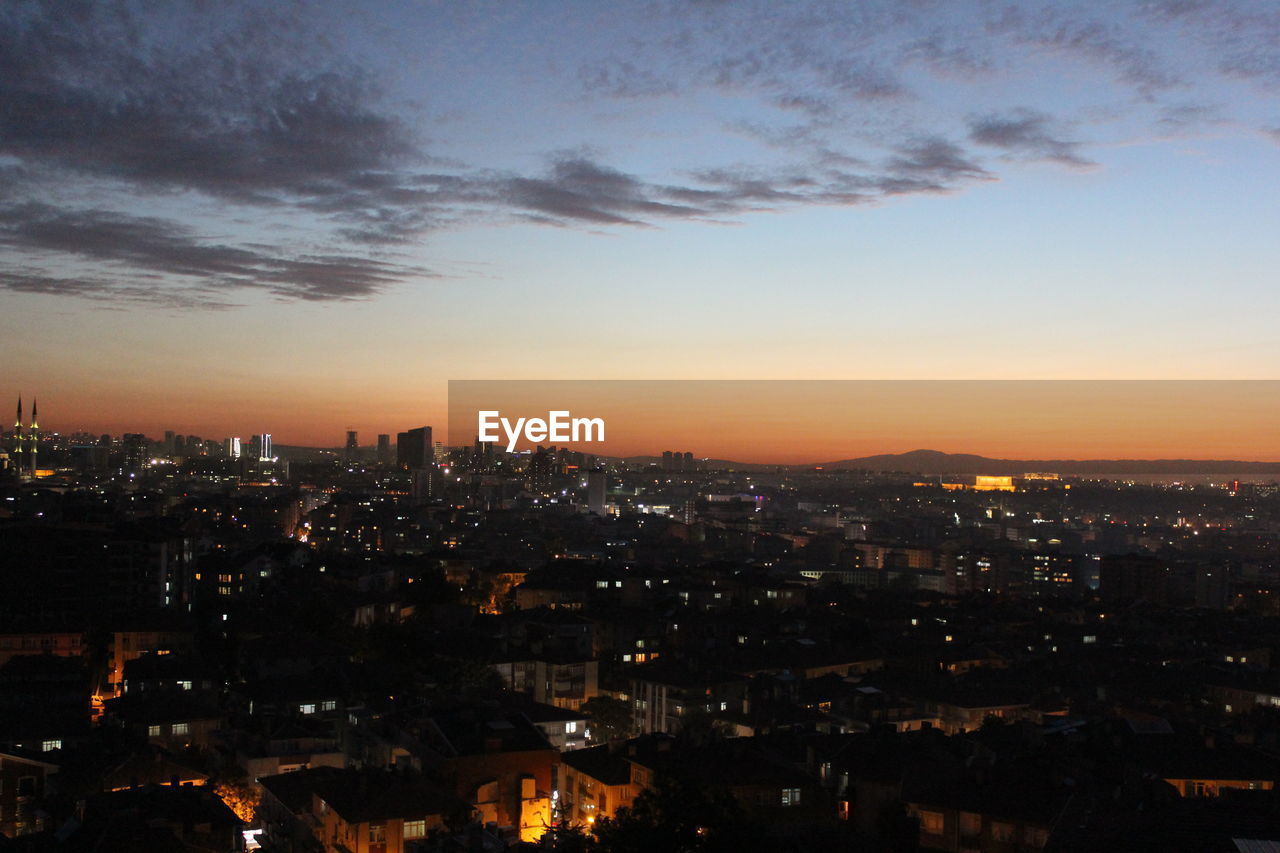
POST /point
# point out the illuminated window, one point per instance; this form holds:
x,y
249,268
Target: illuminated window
x,y
931,823
571,727
153,731
791,796
181,728
329,705
309,708
377,833
50,745
415,829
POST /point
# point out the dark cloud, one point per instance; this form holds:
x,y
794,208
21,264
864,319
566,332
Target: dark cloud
x,y
1026,133
936,160
252,116
860,79
578,189
104,109
230,119
127,251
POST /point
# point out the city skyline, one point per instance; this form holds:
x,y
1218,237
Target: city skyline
x,y
278,212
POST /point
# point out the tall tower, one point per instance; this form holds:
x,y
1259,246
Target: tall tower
x,y
34,436
597,487
17,438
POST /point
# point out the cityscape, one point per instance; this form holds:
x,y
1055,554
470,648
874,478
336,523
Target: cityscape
x,y
705,426
402,645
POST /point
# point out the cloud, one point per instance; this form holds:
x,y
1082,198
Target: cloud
x,y
141,258
579,189
624,79
1028,134
936,159
231,119
89,97
137,139
1109,44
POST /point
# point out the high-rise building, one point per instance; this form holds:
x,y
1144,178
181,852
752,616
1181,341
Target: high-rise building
x,y
232,446
353,445
414,448
540,471
265,450
597,488
384,447
677,461
135,452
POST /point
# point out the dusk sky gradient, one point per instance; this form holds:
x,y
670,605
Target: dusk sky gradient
x,y
226,218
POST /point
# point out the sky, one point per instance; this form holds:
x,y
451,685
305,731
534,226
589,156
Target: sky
x,y
819,421
299,218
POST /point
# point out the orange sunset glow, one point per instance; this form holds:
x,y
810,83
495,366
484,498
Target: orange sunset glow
x,y
790,422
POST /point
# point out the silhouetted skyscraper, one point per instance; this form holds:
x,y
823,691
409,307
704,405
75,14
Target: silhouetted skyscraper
x,y
597,489
414,448
135,452
384,447
539,472
353,445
